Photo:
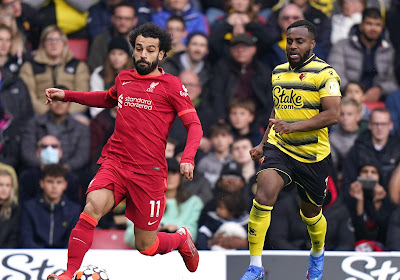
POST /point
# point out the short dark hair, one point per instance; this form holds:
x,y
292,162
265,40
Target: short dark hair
x,y
177,18
371,13
234,202
195,33
124,4
360,85
54,170
241,102
219,128
151,30
306,24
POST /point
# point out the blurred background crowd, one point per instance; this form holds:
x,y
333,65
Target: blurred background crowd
x,y
224,52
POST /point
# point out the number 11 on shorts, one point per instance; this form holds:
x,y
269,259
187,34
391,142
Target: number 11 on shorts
x,y
153,204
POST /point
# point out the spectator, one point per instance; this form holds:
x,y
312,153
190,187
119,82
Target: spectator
x,y
374,145
99,20
170,147
355,91
242,76
392,240
7,60
10,139
322,25
211,164
194,20
48,151
393,22
369,206
9,211
288,231
366,57
182,208
19,48
24,14
74,137
343,138
47,220
206,115
193,59
392,103
240,154
103,77
54,64
69,15
349,15
241,117
240,18
176,27
226,227
123,21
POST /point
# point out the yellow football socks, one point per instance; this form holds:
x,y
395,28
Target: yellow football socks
x,y
316,227
259,220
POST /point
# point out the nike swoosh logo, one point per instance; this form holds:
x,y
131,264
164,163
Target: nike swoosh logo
x,y
152,223
124,83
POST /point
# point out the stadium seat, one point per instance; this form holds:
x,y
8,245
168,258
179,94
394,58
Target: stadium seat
x,y
109,239
79,48
372,105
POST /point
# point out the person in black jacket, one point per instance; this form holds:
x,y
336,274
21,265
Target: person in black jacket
x,y
242,76
47,220
9,211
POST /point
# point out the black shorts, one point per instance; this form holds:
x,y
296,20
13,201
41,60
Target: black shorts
x,y
310,178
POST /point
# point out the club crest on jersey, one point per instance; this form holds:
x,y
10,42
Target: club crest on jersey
x,y
184,93
152,86
302,76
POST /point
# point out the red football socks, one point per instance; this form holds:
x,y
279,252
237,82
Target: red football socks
x,y
165,243
169,242
80,240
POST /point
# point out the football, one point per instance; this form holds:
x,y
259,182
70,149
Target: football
x,y
91,272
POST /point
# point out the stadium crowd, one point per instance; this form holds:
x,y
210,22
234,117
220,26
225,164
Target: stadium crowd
x,y
224,51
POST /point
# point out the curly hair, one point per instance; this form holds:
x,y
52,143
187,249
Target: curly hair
x,y
151,30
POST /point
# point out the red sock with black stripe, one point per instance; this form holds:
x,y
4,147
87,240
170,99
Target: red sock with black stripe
x,y
80,240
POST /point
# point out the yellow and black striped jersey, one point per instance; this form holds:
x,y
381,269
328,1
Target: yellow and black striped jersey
x,y
297,96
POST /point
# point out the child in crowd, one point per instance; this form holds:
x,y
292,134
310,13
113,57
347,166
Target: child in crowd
x,y
182,209
226,227
355,90
240,154
241,117
221,139
47,220
9,212
343,138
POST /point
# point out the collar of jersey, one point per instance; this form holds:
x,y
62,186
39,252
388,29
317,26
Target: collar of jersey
x,y
136,74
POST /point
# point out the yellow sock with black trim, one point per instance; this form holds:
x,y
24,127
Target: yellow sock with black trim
x,y
259,221
316,227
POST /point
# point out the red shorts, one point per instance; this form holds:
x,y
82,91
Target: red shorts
x,y
145,194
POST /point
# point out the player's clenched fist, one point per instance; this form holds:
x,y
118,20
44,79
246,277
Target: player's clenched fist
x,y
54,94
256,152
187,170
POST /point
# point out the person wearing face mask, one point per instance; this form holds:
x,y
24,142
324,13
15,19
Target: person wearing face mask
x,y
48,151
73,135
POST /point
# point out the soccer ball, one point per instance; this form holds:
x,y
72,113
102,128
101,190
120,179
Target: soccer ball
x,y
91,272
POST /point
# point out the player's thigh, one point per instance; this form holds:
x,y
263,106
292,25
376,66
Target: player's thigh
x,y
99,202
145,200
274,173
311,181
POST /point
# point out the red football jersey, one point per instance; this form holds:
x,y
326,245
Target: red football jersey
x,y
147,107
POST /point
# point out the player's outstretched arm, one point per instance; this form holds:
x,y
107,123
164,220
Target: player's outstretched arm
x,y
54,94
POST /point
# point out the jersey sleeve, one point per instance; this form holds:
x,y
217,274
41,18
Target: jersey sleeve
x,y
328,83
179,98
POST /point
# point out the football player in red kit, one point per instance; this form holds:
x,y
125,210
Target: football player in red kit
x,y
133,164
